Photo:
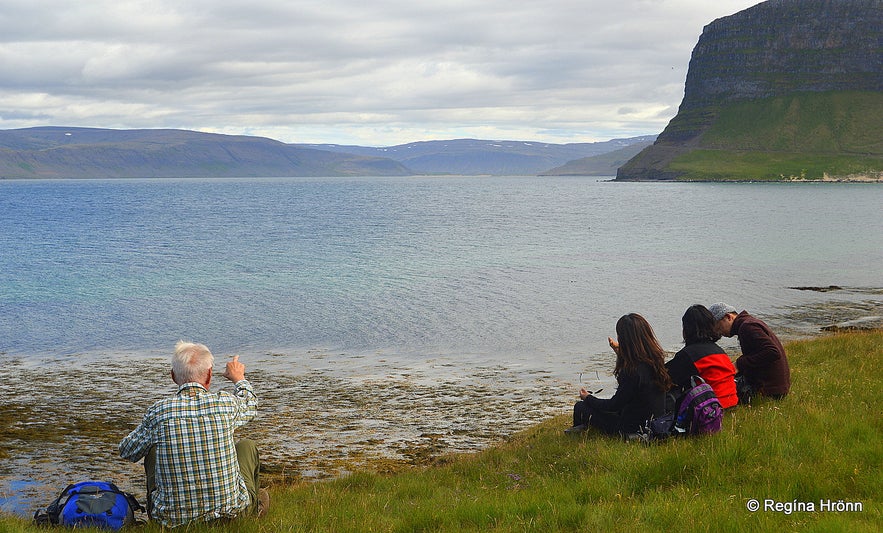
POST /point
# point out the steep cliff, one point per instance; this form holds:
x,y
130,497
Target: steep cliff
x,y
777,54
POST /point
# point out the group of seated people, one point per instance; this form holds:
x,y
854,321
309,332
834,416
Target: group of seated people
x,y
197,471
644,379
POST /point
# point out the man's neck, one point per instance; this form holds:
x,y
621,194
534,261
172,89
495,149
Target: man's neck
x,y
192,388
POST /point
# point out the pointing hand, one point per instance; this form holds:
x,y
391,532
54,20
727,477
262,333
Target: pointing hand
x,y
235,370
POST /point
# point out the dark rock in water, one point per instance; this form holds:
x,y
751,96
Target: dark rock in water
x,y
818,289
868,323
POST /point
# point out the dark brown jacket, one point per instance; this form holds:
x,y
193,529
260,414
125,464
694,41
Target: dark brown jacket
x,y
763,361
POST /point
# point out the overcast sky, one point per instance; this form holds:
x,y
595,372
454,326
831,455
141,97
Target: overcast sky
x,y
366,72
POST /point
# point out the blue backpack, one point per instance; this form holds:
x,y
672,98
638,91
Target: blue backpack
x,y
91,504
700,411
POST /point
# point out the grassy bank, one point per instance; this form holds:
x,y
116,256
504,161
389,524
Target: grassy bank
x,y
724,165
801,135
823,442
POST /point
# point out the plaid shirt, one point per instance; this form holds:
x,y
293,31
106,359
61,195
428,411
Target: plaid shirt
x,y
197,473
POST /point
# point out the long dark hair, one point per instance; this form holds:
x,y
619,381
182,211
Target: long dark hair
x,y
638,344
698,325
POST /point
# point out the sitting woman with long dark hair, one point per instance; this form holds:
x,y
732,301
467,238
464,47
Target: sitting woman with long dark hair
x,y
642,383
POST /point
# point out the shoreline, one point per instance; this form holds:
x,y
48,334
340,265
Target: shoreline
x,y
310,426
340,416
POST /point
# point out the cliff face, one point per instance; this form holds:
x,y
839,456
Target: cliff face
x,y
773,49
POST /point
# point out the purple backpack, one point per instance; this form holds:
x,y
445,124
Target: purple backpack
x,y
700,412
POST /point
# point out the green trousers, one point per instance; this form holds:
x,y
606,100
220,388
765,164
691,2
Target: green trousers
x,y
249,466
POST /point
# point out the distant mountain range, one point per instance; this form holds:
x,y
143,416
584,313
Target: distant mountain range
x,y
61,152
603,164
471,157
58,152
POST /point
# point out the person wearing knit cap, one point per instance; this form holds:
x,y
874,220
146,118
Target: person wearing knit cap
x,y
763,363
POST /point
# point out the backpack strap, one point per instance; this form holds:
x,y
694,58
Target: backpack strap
x,y
52,515
41,518
133,502
696,380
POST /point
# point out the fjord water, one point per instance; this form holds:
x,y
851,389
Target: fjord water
x,y
523,270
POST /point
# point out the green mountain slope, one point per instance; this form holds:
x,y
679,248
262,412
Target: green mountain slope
x,y
802,135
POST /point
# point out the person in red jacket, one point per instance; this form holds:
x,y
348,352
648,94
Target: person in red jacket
x,y
763,362
702,357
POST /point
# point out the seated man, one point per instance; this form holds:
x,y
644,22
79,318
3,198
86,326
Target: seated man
x,y
763,362
194,469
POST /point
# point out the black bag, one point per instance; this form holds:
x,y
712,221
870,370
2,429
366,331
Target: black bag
x,y
744,390
661,427
91,504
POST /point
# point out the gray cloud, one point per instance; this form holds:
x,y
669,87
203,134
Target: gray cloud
x,y
377,73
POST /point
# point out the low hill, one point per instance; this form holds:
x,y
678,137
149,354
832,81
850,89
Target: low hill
x,y
470,157
599,165
57,152
785,89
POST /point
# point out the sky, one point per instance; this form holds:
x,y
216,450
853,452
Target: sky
x,y
361,72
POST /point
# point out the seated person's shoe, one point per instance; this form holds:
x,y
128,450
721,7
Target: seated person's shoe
x,y
576,429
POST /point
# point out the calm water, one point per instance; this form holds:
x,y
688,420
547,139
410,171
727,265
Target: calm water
x,y
419,300
512,268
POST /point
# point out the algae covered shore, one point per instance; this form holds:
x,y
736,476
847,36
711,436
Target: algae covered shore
x,y
62,419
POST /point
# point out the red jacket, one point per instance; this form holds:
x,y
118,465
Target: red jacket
x,y
708,361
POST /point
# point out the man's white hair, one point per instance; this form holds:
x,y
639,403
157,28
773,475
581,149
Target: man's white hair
x,y
191,362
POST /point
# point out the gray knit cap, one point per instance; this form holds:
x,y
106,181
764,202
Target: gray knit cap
x,y
720,309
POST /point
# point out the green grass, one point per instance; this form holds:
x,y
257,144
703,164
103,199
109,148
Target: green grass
x,y
727,165
828,123
803,135
822,442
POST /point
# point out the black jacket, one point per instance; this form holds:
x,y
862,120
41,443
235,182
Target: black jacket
x,y
636,400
